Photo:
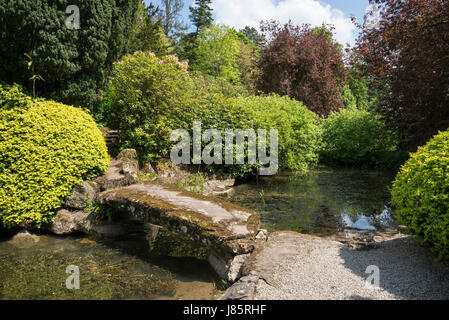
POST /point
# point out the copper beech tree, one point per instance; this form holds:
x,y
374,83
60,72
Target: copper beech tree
x,y
407,51
304,63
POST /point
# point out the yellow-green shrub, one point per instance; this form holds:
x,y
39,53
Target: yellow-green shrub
x,y
420,193
356,137
45,149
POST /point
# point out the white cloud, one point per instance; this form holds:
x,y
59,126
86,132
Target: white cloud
x,y
240,13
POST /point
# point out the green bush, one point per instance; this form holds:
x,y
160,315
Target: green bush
x,y
420,193
207,84
299,130
356,137
149,97
152,96
45,149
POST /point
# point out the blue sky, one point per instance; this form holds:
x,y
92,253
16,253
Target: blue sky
x,y
238,13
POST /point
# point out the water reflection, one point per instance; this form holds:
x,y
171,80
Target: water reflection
x,y
320,201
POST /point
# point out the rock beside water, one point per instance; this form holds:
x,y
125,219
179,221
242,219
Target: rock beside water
x,y
67,222
24,239
82,195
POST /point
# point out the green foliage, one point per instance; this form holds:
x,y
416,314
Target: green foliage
x,y
73,63
186,47
420,193
262,197
217,53
148,33
201,14
367,93
248,62
150,96
356,137
155,96
100,213
359,88
222,52
349,100
299,130
253,35
210,85
46,148
102,112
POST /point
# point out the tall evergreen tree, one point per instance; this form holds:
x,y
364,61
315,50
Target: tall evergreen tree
x,y
201,14
74,63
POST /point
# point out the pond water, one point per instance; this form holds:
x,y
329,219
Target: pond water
x,y
322,202
115,270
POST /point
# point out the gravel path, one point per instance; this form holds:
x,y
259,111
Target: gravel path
x,y
296,267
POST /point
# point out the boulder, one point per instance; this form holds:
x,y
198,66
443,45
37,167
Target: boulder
x,y
227,266
82,195
168,172
24,239
67,222
130,165
123,171
148,169
244,289
262,263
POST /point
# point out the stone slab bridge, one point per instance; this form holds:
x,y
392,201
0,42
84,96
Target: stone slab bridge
x,y
228,230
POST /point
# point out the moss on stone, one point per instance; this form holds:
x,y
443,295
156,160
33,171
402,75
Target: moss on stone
x,y
176,245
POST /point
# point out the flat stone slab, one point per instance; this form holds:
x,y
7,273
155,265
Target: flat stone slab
x,y
211,221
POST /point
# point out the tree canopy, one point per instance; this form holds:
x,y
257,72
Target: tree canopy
x,y
201,14
305,64
217,52
148,33
408,54
73,63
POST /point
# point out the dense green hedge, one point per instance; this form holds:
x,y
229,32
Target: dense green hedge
x,y
45,149
299,129
357,137
420,193
152,96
